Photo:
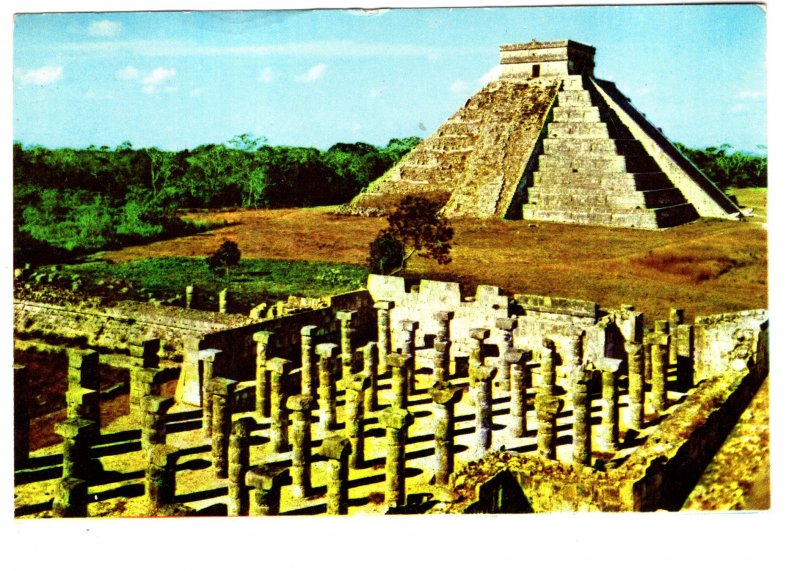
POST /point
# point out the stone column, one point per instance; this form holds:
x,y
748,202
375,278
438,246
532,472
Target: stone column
x,y
441,347
337,450
408,342
221,392
659,343
159,477
154,420
384,333
399,365
396,421
83,387
300,436
609,421
506,327
223,301
481,381
308,370
70,498
207,358
354,417
279,425
517,362
582,420
370,371
547,370
78,435
348,331
676,316
189,296
267,481
262,374
683,340
239,464
444,401
327,387
547,407
573,350
635,385
22,421
477,338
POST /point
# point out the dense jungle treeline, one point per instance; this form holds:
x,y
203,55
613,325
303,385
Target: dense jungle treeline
x,y
79,200
71,201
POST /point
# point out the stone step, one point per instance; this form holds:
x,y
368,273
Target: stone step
x,y
653,218
589,145
629,181
579,98
558,130
572,83
581,163
548,198
576,114
599,162
462,128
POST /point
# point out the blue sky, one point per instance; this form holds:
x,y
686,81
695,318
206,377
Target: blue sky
x,y
177,80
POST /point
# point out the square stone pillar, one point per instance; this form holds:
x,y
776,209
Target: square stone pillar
x,y
221,392
609,421
384,307
308,366
336,449
207,357
262,339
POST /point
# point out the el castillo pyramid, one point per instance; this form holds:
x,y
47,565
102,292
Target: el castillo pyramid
x,y
549,141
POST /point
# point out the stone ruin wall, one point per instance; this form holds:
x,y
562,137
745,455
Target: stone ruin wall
x,y
538,317
729,352
665,468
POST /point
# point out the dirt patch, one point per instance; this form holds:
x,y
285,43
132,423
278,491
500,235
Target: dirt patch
x,y
606,265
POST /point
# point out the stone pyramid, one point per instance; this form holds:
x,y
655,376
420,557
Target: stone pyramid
x,y
548,141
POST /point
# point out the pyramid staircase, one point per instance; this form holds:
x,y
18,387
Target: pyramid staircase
x,y
593,171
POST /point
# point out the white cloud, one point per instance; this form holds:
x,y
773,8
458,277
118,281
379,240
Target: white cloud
x,y
739,108
266,75
104,28
750,94
490,75
641,91
152,82
313,74
459,86
197,92
376,92
128,73
40,76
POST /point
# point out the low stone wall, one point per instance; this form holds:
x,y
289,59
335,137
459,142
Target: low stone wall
x,y
120,326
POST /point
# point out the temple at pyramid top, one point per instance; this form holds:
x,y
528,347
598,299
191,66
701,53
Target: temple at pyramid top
x,y
549,141
546,59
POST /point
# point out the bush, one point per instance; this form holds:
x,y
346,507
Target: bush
x,y
226,257
385,254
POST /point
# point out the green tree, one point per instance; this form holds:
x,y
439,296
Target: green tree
x,y
418,225
225,258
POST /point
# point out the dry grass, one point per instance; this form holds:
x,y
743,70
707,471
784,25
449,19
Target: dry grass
x,y
708,266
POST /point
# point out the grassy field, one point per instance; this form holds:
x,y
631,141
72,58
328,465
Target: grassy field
x,y
707,266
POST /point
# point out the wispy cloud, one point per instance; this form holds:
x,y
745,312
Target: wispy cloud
x,y
459,86
152,82
266,75
376,92
490,75
739,108
750,94
104,28
313,74
39,76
